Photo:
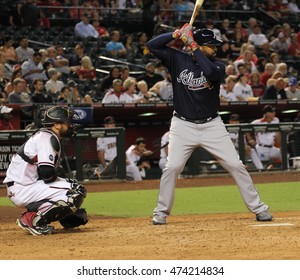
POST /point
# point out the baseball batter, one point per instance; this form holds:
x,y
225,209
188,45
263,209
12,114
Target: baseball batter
x,y
196,79
32,181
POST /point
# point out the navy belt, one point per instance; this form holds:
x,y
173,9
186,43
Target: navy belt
x,y
201,121
9,184
265,146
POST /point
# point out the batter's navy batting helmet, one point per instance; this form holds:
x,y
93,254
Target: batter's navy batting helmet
x,y
58,114
205,37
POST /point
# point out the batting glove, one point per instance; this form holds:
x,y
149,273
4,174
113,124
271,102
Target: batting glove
x,y
186,30
178,32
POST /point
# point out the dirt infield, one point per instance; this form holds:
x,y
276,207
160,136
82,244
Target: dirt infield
x,y
221,236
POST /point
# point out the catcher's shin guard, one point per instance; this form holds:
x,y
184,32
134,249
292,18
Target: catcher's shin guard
x,y
58,210
76,195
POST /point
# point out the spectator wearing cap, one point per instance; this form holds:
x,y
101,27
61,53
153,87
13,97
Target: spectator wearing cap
x,y
150,77
5,118
53,85
74,92
275,91
84,29
292,91
266,143
281,44
250,152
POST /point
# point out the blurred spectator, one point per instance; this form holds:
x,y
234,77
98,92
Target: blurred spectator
x,y
125,73
75,58
294,10
5,118
247,59
131,49
3,82
143,51
7,68
59,63
275,91
15,97
53,10
129,92
275,59
9,51
294,47
30,13
236,42
33,68
143,91
74,96
164,88
17,73
238,26
87,99
44,20
115,48
227,93
252,22
24,52
150,14
150,77
276,75
209,24
283,69
84,29
136,153
292,91
53,86
86,70
224,53
106,83
113,95
75,11
268,72
39,95
257,38
242,88
257,86
281,44
103,33
160,69
63,97
15,17
226,30
230,70
274,32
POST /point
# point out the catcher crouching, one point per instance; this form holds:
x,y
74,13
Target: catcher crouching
x,y
32,180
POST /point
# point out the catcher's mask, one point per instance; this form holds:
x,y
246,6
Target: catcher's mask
x,y
206,37
61,114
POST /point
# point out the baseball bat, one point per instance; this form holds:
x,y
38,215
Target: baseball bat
x,y
197,7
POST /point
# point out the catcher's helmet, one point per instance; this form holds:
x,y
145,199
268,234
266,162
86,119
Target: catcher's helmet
x,y
58,114
205,37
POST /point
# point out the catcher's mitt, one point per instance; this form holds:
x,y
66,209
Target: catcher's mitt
x,y
76,219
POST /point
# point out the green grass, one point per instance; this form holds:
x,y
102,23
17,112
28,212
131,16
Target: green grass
x,y
279,196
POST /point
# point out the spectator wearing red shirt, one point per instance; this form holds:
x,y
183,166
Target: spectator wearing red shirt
x,y
101,29
5,118
294,47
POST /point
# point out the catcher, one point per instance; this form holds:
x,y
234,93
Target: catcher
x,y
32,180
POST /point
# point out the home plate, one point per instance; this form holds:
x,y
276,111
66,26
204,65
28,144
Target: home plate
x,y
273,225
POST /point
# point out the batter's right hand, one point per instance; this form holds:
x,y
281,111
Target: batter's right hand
x,y
178,32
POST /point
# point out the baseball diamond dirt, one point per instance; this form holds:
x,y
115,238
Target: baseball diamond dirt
x,y
193,237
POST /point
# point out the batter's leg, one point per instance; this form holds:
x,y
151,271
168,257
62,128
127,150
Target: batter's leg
x,y
182,143
216,140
